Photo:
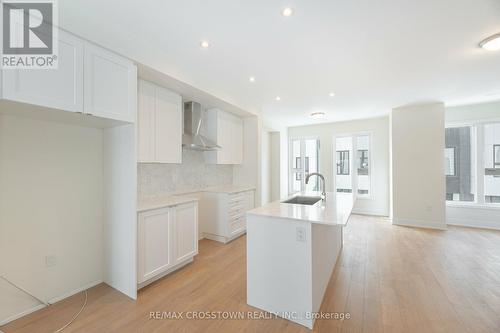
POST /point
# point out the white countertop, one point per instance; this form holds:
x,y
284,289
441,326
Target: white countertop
x,y
228,189
187,196
335,210
163,201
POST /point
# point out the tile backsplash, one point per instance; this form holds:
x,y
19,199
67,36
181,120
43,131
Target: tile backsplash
x,y
193,174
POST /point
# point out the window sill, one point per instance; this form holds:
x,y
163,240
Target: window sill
x,y
493,206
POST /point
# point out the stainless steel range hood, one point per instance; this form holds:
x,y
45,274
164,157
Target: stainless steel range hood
x,y
193,121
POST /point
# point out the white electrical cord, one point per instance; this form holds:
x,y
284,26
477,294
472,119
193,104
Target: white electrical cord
x,y
48,304
76,316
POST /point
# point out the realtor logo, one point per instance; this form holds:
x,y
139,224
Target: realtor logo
x,y
29,34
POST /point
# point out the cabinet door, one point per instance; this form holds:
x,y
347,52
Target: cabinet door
x,y
60,88
146,122
224,136
154,243
237,141
110,83
186,231
168,126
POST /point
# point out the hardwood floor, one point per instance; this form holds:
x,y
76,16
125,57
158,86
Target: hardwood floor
x,y
388,278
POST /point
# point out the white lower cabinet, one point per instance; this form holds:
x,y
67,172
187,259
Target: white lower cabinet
x,y
225,214
167,239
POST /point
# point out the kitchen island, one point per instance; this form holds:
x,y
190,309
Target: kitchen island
x,y
292,249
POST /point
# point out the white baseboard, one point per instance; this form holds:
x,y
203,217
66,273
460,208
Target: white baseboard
x,y
474,223
419,224
363,213
76,291
22,314
222,239
51,301
162,275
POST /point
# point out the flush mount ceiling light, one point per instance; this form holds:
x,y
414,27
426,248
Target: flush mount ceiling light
x,y
205,44
287,12
318,115
331,94
491,43
278,98
251,79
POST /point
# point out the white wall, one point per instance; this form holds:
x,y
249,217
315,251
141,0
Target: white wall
x,y
44,212
265,166
418,181
473,112
379,130
465,215
275,143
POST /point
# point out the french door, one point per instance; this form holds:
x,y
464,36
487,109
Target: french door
x,y
304,159
352,159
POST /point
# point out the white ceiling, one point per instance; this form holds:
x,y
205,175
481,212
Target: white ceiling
x,y
374,55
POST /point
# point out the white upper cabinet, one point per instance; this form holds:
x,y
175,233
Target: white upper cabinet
x,y
227,130
110,85
146,121
88,79
168,126
159,124
60,88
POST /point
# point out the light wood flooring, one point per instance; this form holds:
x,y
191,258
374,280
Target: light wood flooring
x,y
388,278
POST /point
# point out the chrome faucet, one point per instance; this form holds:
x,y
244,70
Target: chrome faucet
x,y
323,193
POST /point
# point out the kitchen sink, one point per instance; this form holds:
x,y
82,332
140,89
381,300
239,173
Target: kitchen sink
x,y
302,200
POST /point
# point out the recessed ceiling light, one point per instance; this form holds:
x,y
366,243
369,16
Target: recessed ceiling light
x,y
251,79
331,94
491,43
318,115
278,98
287,12
205,44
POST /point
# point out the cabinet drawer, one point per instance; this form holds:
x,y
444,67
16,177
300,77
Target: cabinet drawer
x,y
237,197
238,225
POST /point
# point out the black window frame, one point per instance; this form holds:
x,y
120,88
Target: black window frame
x,y
341,162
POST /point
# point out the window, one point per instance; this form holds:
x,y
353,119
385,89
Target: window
x,y
472,163
363,162
491,159
459,164
357,181
304,160
343,162
450,161
363,167
496,156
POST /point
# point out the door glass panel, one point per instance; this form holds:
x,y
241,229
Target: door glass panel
x,y
296,182
304,159
296,154
459,164
311,160
492,163
363,164
343,160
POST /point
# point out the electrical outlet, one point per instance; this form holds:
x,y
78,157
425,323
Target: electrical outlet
x,y
301,234
50,261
